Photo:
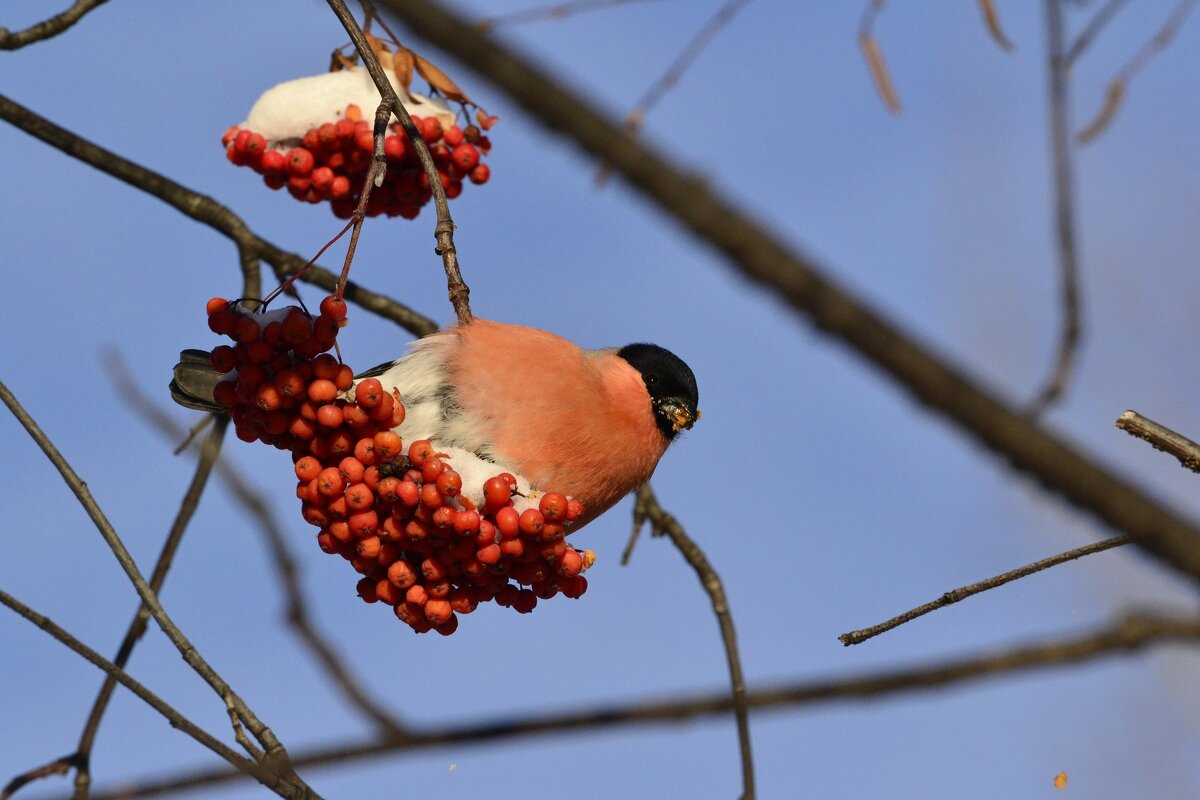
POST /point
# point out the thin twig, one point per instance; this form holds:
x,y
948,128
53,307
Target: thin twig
x,y
1071,330
1126,635
963,592
444,230
690,52
276,754
137,627
874,56
1091,31
1162,438
554,11
14,40
59,766
177,720
757,254
209,212
287,569
1114,95
992,20
662,522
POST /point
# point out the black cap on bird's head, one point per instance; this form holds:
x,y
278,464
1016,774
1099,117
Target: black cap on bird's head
x,y
670,383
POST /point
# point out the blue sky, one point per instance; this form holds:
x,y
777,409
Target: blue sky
x,y
827,499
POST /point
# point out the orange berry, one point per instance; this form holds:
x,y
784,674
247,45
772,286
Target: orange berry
x,y
344,378
388,445
512,547
401,575
418,451
216,304
308,468
416,594
322,390
364,523
364,451
329,416
355,415
430,496
553,506
433,569
438,611
508,522
489,555
574,509
387,593
351,469
496,491
449,483
368,546
531,522
359,497
330,482
341,443
369,393
570,564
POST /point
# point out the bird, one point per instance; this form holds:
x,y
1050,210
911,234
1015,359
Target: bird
x,y
591,424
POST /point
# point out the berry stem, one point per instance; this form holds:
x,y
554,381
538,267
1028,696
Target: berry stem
x,y
373,178
444,231
283,287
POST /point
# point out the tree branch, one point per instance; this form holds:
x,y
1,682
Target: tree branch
x,y
1091,31
15,40
444,230
1162,438
137,627
663,523
1126,635
1071,330
177,720
963,592
760,256
209,212
276,754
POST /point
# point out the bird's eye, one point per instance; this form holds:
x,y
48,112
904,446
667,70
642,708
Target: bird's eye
x,y
651,380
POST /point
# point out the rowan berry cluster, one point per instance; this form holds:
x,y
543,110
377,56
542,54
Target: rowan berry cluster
x,y
400,515
331,161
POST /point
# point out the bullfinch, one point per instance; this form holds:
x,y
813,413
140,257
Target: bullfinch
x,y
494,397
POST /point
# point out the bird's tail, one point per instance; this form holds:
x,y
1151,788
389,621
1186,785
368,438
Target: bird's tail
x,y
194,380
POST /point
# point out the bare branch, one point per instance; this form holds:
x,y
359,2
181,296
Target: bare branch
x,y
963,592
874,56
10,40
663,523
1056,382
444,231
287,569
177,720
137,627
553,11
1115,93
208,211
276,755
1125,636
1092,30
758,255
992,20
1162,438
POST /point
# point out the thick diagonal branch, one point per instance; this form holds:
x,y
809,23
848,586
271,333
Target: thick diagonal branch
x,y
762,257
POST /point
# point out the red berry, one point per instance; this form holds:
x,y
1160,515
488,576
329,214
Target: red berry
x,y
333,308
401,575
389,445
369,393
496,491
508,522
299,162
322,391
554,506
438,611
330,482
366,590
329,416
322,178
480,174
465,157
531,522
454,136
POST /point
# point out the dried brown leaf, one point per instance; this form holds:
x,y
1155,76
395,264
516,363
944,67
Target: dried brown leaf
x,y
402,65
879,72
992,21
1112,104
439,80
